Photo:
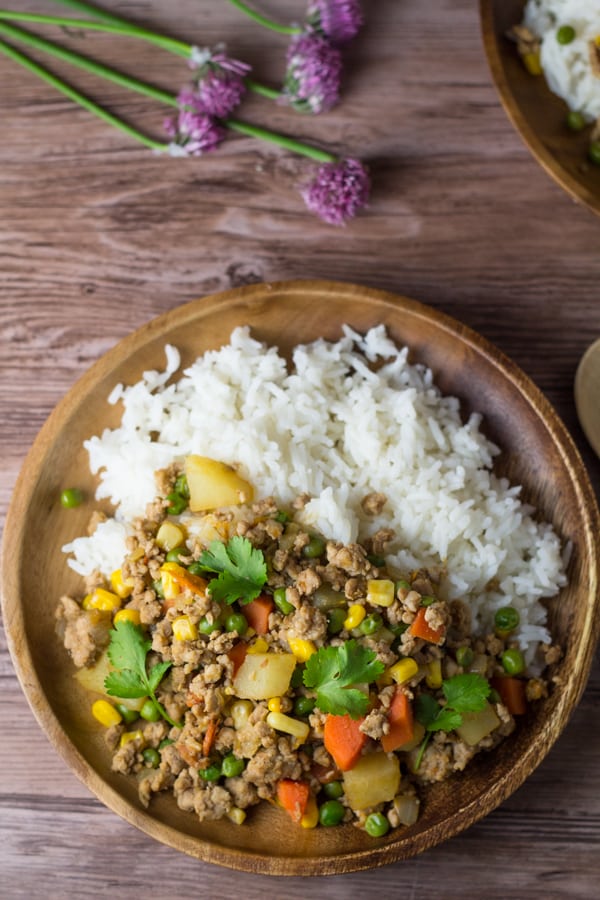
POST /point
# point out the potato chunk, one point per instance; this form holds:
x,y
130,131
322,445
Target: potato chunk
x,y
374,779
477,725
213,484
264,675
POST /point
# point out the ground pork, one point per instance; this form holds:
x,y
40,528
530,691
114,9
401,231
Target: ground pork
x,y
84,632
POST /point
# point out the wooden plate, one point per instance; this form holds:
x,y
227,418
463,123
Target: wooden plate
x,y
537,114
538,453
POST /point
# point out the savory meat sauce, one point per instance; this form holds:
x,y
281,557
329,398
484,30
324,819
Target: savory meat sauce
x,y
242,658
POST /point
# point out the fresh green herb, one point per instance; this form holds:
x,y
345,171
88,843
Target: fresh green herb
x,y
127,652
464,693
332,671
241,567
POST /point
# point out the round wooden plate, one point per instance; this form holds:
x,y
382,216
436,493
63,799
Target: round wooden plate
x,y
537,114
537,452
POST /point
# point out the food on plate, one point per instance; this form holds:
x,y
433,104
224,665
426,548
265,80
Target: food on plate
x,y
561,40
340,605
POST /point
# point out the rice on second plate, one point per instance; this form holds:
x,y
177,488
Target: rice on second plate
x,y
335,429
568,67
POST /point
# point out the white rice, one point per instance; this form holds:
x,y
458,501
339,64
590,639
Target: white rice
x,y
335,429
567,67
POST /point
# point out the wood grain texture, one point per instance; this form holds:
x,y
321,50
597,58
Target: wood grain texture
x,y
98,236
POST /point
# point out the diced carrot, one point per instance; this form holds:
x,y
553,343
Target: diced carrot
x,y
400,717
237,655
344,740
257,613
209,737
512,693
293,797
421,628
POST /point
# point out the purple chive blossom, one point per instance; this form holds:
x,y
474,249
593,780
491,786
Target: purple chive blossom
x,y
219,83
193,132
314,69
337,191
338,20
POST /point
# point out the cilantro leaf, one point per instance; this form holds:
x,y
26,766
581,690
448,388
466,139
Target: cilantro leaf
x,y
426,709
467,692
333,670
241,568
124,683
446,720
128,647
156,674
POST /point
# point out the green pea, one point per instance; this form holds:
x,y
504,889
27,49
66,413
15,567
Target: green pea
x,y
565,34
176,553
282,604
236,622
333,790
594,152
151,757
506,619
464,657
494,696
377,825
211,773
314,548
177,503
335,620
128,715
402,585
512,661
331,813
71,497
427,600
399,629
575,120
165,743
182,487
282,516
297,677
370,624
149,712
195,568
158,588
303,706
376,560
207,627
232,766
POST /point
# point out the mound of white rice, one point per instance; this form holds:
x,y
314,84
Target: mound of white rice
x,y
337,430
567,67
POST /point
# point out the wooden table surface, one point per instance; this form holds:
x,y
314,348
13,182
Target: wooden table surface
x,y
98,236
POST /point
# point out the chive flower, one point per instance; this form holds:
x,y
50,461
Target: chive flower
x,y
219,84
193,131
338,20
314,69
337,191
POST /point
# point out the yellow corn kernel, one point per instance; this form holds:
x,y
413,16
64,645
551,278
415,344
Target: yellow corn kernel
x,y
104,600
85,603
433,675
105,713
136,554
169,585
184,629
356,614
281,722
403,670
274,704
122,587
259,646
301,648
532,63
237,815
129,736
169,536
240,711
127,615
380,592
310,819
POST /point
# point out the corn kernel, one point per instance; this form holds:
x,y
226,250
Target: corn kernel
x,y
433,675
380,592
281,722
105,713
129,736
104,600
169,536
136,554
184,629
122,587
169,585
301,648
310,819
356,614
259,646
403,670
240,711
237,815
274,704
127,615
532,63
85,603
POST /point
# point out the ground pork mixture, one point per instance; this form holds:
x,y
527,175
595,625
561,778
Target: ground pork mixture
x,y
277,665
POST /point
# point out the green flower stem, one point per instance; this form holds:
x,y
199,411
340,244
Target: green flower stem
x,y
263,20
262,89
281,140
79,98
93,11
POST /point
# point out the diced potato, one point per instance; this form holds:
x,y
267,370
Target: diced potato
x,y
477,725
407,808
213,483
169,536
374,779
264,675
93,680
